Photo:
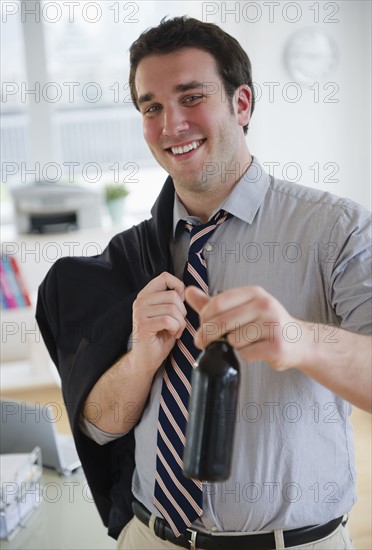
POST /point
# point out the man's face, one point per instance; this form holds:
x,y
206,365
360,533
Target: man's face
x,y
191,127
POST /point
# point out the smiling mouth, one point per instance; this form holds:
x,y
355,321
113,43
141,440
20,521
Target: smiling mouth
x,y
183,149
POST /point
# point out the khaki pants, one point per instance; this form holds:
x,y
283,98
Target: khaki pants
x,y
136,536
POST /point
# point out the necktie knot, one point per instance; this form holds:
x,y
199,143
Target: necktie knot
x,y
200,233
217,219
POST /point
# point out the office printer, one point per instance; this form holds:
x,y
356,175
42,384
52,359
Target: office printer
x,y
44,207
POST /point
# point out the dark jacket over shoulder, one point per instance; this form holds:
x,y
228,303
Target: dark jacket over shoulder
x,y
84,312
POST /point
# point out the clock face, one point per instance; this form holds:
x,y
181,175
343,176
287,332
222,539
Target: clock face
x,y
310,55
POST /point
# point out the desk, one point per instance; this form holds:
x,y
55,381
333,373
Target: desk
x,y
66,518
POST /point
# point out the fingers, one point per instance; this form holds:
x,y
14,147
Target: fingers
x,y
252,320
228,312
255,322
159,306
196,298
165,281
158,320
232,299
167,316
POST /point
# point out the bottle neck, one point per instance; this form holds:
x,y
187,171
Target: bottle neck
x,y
218,342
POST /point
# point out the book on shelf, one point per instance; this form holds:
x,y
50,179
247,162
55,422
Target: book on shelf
x,y
20,490
13,289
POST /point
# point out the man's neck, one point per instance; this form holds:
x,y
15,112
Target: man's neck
x,y
203,202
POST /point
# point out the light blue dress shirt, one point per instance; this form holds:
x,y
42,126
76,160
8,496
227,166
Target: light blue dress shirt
x,y
293,457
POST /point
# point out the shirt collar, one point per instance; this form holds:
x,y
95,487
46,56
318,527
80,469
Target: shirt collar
x,y
243,202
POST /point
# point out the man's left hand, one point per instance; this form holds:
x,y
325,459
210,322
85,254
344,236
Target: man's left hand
x,y
256,324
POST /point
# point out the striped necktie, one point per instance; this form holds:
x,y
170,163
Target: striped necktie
x,y
179,499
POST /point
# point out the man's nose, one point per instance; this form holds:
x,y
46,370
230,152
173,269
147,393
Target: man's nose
x,y
174,121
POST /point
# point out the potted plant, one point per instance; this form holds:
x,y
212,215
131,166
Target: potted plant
x,y
115,194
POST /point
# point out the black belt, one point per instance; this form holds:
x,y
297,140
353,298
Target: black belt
x,y
263,541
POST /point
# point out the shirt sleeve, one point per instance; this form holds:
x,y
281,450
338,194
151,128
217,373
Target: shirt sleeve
x,y
351,270
96,434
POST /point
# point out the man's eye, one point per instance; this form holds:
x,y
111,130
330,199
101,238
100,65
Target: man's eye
x,y
193,98
152,109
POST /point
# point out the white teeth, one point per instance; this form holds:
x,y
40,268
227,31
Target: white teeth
x,y
186,148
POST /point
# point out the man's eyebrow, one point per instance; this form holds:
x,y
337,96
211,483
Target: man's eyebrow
x,y
145,97
193,85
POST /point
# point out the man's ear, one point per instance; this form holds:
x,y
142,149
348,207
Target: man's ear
x,y
243,104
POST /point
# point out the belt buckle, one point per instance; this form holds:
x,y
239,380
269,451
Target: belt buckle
x,y
192,540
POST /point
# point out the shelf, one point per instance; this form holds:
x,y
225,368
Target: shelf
x,y
23,374
25,361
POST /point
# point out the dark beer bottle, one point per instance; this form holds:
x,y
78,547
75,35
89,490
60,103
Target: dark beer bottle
x,y
212,410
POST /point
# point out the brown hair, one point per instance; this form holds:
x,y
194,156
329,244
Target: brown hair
x,y
233,64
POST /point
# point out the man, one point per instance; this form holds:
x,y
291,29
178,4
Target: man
x,y
290,266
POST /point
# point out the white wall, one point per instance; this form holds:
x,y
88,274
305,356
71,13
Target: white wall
x,y
308,132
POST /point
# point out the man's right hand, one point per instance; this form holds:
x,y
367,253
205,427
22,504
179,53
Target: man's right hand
x,y
121,392
158,321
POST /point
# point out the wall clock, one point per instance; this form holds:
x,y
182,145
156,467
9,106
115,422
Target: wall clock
x,y
310,55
